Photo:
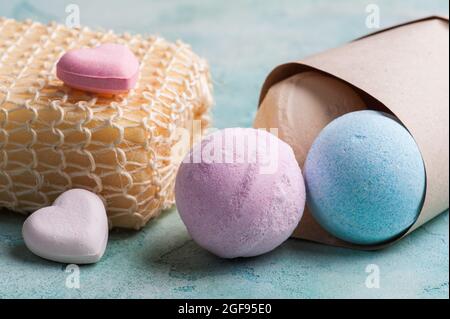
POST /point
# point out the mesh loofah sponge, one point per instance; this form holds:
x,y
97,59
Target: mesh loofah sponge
x,y
54,138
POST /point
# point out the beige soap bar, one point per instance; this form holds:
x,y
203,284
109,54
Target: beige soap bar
x,y
54,138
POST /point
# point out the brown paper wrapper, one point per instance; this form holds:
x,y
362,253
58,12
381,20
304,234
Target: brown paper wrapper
x,y
403,70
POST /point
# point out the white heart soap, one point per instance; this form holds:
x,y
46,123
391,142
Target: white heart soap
x,y
73,230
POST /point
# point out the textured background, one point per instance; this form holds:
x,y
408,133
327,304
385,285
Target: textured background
x,y
243,41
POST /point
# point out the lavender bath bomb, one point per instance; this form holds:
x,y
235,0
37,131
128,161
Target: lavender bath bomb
x,y
240,192
365,178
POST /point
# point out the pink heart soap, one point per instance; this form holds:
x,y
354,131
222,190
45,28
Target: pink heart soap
x,y
73,230
108,68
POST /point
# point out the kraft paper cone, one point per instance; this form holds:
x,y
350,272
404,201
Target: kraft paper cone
x,y
403,70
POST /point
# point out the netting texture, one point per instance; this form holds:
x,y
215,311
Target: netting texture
x,y
54,138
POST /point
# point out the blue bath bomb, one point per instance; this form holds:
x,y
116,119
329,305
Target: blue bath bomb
x,y
365,178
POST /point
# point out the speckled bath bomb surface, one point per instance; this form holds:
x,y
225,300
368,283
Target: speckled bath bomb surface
x,y
243,207
365,178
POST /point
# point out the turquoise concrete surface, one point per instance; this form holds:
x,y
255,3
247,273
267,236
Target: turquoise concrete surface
x,y
243,41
